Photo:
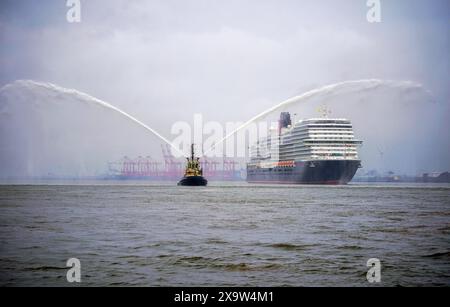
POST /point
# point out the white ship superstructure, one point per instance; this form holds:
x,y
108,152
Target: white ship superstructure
x,y
315,141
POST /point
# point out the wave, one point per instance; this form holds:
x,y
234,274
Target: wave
x,y
438,255
289,246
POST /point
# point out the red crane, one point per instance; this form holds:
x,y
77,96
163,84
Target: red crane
x,y
173,169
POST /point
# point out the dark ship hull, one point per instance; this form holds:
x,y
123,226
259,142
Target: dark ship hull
x,y
333,172
193,181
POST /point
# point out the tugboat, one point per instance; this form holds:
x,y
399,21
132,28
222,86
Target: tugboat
x,y
193,176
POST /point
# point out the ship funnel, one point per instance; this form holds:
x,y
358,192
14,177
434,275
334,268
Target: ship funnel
x,y
285,120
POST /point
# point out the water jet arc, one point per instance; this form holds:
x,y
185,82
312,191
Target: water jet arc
x,y
364,84
88,98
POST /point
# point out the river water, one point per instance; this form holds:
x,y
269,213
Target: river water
x,y
227,234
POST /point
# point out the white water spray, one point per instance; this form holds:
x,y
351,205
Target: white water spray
x,y
333,89
97,101
34,144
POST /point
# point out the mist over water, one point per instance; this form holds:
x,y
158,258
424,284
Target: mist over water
x,y
46,130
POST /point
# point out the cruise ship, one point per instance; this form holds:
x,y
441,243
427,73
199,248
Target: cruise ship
x,y
312,151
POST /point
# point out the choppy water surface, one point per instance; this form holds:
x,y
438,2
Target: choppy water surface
x,y
224,235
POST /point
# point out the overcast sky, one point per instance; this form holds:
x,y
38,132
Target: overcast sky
x,y
228,59
201,54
